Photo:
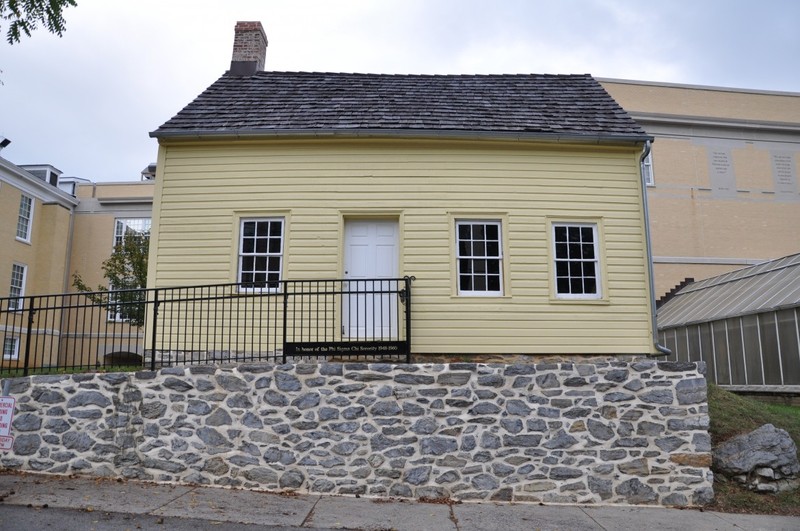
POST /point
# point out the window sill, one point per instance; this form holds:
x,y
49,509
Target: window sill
x,y
479,297
595,302
20,240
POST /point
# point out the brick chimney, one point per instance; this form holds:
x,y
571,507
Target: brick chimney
x,y
249,49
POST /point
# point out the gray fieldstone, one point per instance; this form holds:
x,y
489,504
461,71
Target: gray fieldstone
x,y
692,391
87,398
765,447
177,384
286,382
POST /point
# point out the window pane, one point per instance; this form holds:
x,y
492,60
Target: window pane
x,y
574,234
562,285
466,265
561,234
588,269
275,228
464,248
248,245
464,232
575,269
262,228
478,232
589,285
575,285
465,283
274,264
493,249
478,249
275,245
574,251
479,266
492,232
249,228
494,283
493,267
261,263
480,283
562,269
587,234
561,251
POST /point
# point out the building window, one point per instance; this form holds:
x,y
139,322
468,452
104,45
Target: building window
x,y
647,170
261,253
17,288
577,264
127,307
11,348
24,219
479,255
138,226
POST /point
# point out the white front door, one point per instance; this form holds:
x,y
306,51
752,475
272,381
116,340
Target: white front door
x,y
370,252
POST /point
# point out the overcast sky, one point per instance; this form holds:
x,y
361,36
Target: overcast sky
x,y
86,102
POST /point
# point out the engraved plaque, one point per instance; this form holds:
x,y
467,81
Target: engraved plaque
x,y
723,179
784,175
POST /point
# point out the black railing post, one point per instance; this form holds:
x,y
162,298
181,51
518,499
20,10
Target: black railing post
x,y
155,328
31,314
285,313
407,281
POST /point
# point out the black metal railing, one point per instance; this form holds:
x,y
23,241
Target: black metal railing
x,y
281,321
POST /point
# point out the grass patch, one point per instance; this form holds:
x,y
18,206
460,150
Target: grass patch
x,y
733,415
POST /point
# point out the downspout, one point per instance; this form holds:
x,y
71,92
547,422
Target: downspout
x,y
662,350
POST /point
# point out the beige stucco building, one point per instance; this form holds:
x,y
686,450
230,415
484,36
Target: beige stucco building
x,y
724,188
52,227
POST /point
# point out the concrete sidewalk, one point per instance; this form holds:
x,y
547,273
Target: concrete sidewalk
x,y
158,506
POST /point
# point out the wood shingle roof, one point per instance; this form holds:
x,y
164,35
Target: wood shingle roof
x,y
561,106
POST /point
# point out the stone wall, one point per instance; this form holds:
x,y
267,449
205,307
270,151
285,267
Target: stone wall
x,y
602,432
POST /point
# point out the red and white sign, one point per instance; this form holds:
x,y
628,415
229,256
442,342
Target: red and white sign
x,y
6,414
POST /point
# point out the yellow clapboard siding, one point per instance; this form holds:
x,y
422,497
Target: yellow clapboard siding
x,y
207,186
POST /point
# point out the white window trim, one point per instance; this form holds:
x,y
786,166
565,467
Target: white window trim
x,y
27,238
647,170
125,223
15,348
20,305
500,258
598,275
240,254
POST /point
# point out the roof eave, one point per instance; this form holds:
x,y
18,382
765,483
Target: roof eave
x,y
253,134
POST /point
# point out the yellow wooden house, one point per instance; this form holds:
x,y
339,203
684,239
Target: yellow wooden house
x,y
514,201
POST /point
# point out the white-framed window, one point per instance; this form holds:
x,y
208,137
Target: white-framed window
x,y
647,170
17,289
479,257
11,348
130,226
123,228
24,219
260,253
577,261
